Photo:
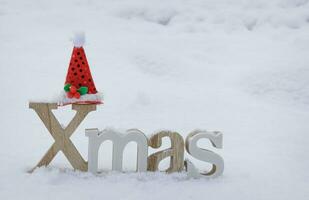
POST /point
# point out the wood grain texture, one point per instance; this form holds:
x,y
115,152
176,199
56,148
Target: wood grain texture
x,y
176,152
62,136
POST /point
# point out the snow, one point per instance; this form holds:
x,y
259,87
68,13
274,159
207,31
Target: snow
x,y
239,67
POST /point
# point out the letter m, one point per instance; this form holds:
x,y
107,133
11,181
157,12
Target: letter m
x,y
119,140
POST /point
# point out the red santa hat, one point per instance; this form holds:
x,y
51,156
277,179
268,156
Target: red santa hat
x,y
79,85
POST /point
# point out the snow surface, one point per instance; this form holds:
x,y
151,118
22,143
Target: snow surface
x,y
239,67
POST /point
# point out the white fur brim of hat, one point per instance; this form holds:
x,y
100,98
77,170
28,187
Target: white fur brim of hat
x,y
84,99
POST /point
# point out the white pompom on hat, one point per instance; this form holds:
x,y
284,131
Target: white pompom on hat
x,y
79,39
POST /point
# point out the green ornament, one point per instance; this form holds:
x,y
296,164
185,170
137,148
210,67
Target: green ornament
x,y
83,90
67,87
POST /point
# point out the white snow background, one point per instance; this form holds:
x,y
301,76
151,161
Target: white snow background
x,y
237,66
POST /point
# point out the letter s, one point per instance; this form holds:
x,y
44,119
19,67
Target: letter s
x,y
204,154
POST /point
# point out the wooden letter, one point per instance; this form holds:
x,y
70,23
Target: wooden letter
x,y
62,136
119,142
204,154
176,152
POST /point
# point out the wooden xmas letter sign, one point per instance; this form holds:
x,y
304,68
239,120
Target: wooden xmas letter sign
x,y
120,140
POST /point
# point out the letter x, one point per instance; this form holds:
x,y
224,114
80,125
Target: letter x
x,y
62,136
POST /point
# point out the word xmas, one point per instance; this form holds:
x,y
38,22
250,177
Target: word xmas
x,y
144,162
